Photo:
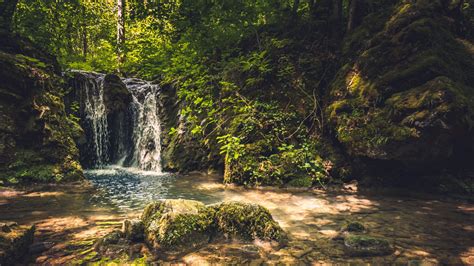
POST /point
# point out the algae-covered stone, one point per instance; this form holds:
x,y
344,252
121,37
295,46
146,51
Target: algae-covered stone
x,y
175,226
355,227
247,221
361,245
14,242
133,229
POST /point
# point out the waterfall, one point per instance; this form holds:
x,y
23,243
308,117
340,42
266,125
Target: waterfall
x,y
129,137
94,115
147,126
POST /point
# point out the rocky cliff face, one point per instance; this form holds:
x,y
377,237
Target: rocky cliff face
x,y
36,136
404,99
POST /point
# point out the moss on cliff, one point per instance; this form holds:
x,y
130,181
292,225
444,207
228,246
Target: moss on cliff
x,y
405,92
37,141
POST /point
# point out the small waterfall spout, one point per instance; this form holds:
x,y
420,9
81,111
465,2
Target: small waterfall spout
x,y
127,133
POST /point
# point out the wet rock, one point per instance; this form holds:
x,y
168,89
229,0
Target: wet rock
x,y
116,95
175,226
14,242
361,245
133,229
247,221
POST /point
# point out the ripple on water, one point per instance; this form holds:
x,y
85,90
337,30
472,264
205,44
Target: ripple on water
x,y
131,189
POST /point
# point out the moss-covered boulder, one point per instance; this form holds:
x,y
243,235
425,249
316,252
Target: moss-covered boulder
x,y
353,227
175,226
14,242
404,97
247,221
36,136
361,245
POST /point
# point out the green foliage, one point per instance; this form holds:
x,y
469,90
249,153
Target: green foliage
x,y
242,82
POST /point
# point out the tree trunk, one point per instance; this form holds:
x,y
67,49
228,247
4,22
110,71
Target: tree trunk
x,y
336,19
84,33
7,10
353,15
120,33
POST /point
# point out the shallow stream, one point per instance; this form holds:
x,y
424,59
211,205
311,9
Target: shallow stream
x,y
423,230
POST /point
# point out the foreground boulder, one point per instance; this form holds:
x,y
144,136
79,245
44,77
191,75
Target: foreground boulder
x,y
14,242
174,227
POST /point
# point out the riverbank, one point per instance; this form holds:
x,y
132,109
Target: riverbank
x,y
422,229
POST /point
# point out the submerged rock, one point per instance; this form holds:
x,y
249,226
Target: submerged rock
x,y
361,245
355,227
14,242
247,221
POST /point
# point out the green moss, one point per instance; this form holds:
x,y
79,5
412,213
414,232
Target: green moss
x,y
247,221
31,60
361,245
356,227
177,225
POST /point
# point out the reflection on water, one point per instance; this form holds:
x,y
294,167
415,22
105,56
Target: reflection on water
x,y
132,189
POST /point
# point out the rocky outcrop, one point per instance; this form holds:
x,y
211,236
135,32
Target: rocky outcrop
x,y
404,99
182,150
174,227
14,242
36,137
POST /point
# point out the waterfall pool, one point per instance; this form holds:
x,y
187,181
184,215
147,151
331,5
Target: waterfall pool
x,y
423,230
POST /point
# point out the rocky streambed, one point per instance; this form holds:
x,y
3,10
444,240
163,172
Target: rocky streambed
x,y
320,226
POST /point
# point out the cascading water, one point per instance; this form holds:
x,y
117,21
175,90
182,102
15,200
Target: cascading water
x,y
129,138
94,113
147,127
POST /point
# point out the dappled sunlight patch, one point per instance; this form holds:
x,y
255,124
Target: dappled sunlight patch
x,y
209,186
10,193
62,223
44,194
467,256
